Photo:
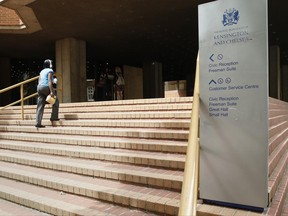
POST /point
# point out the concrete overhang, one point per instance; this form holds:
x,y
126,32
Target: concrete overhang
x,y
122,30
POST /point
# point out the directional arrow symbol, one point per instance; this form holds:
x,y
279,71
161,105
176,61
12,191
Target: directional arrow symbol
x,y
212,81
211,58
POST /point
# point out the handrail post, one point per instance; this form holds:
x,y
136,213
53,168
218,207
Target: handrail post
x,y
22,101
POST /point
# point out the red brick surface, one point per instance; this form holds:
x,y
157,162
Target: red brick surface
x,y
9,17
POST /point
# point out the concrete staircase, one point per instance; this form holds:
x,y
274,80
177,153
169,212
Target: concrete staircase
x,y
114,158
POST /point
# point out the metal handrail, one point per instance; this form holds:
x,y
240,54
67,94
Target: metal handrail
x,y
22,98
189,195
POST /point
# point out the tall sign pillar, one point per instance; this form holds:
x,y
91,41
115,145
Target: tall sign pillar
x,y
233,41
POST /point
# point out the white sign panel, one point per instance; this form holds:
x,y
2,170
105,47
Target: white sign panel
x,y
233,41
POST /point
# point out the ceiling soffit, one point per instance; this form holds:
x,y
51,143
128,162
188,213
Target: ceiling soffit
x,y
28,21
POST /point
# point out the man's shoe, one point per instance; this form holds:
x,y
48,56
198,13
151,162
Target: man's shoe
x,y
57,119
39,126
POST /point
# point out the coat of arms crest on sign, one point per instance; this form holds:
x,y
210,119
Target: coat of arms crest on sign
x,y
230,17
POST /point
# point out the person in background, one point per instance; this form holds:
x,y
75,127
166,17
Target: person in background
x,y
44,88
119,85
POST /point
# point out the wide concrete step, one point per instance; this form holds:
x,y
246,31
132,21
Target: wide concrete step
x,y
57,202
156,159
97,142
277,175
285,207
277,120
11,209
277,112
111,108
154,177
108,115
278,102
140,105
130,102
278,201
277,128
147,133
144,198
127,123
276,155
277,139
174,146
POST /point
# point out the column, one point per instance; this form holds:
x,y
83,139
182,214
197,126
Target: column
x,y
71,70
133,82
153,86
5,81
274,72
284,80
